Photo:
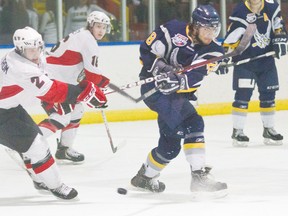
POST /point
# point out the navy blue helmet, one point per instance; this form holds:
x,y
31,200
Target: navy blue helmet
x,y
206,16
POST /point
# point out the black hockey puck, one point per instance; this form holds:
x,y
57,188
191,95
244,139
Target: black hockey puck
x,y
122,191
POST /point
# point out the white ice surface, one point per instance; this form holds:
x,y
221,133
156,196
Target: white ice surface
x,y
257,176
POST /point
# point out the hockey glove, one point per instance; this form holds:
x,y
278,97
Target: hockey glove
x,y
172,82
279,43
222,69
98,79
60,108
91,95
160,66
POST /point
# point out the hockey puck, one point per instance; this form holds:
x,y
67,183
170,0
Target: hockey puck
x,y
122,191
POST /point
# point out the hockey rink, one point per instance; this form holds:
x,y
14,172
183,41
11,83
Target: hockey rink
x,y
257,176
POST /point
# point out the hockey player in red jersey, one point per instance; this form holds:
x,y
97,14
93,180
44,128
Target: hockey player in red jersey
x,y
22,74
77,52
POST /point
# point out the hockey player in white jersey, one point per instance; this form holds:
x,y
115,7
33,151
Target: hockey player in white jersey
x,y
22,74
77,52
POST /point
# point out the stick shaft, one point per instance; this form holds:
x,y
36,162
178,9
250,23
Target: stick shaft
x,y
114,149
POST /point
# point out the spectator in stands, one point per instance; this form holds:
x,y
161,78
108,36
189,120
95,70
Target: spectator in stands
x,y
48,24
77,14
167,10
13,16
32,13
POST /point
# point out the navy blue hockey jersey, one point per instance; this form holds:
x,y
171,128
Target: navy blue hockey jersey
x,y
171,42
268,21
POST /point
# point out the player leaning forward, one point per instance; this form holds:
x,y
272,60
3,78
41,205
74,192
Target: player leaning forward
x,y
270,35
174,45
22,74
76,52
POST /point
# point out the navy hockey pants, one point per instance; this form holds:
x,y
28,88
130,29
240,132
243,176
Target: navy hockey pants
x,y
245,77
172,112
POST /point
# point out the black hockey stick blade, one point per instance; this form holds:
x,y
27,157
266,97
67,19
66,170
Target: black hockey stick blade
x,y
136,100
122,92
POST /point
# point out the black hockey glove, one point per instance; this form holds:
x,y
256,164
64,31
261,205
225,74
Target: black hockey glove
x,y
280,45
60,108
172,82
160,66
222,70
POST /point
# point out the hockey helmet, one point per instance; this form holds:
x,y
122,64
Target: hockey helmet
x,y
27,38
206,16
99,17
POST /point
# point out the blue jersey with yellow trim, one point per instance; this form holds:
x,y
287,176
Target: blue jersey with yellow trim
x,y
268,21
171,42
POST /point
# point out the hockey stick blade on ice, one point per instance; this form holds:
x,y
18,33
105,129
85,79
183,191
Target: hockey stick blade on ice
x,y
250,30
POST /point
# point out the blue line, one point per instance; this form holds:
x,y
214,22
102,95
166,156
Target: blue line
x,y
118,43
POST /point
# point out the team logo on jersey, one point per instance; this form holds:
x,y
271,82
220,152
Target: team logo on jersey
x,y
262,40
251,18
179,40
4,66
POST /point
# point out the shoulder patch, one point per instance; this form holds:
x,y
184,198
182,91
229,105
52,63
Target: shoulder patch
x,y
179,40
251,17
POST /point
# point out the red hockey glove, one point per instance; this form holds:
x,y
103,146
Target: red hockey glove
x,y
98,79
91,95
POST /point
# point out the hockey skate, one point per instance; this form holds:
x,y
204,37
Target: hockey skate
x,y
64,192
66,154
41,187
271,137
239,138
201,183
145,183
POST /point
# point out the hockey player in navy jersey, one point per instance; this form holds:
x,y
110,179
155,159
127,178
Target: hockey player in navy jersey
x,y
172,46
270,35
22,75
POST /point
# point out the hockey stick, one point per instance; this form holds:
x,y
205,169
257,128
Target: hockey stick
x,y
271,53
114,149
250,30
81,77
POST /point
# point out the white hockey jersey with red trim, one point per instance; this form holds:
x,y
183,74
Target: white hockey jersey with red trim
x,y
78,51
19,78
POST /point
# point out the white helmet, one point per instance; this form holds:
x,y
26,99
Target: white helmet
x,y
99,17
27,38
